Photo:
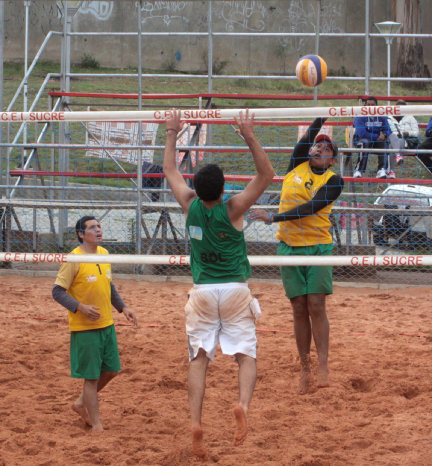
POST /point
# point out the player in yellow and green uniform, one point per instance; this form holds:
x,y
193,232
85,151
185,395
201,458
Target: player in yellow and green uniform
x,y
87,291
308,192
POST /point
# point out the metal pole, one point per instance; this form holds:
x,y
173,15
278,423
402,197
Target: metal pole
x,y
367,47
210,48
25,97
317,42
388,41
138,213
210,65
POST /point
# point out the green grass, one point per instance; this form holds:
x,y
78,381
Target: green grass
x,y
13,72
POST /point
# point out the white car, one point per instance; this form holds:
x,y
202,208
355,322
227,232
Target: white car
x,y
403,229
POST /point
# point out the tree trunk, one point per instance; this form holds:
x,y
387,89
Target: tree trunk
x,y
410,60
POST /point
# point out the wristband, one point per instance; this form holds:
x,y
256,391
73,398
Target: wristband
x,y
171,129
270,220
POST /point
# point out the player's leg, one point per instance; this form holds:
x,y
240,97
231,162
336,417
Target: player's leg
x,y
247,379
94,358
303,337
239,311
91,402
320,284
321,333
196,389
110,367
104,378
79,407
202,328
295,285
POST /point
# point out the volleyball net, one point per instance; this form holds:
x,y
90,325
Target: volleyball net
x,y
108,164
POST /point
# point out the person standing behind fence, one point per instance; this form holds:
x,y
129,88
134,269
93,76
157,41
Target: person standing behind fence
x,y
87,291
426,144
308,192
220,309
371,132
405,135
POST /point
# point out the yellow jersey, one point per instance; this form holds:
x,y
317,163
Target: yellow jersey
x,y
300,186
89,284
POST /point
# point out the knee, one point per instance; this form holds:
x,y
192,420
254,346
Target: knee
x,y
242,358
317,306
200,359
317,312
300,312
299,307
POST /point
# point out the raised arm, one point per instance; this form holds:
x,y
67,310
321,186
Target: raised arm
x,y
180,189
301,150
239,204
323,197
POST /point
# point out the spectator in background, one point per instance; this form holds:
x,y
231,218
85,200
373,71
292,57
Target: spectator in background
x,y
405,135
371,132
425,159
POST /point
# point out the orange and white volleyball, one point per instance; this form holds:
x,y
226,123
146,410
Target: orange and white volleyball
x,y
311,70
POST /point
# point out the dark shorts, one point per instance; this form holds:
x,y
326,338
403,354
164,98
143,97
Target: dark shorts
x,y
93,352
306,279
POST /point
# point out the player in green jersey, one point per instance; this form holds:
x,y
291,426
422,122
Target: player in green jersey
x,y
220,309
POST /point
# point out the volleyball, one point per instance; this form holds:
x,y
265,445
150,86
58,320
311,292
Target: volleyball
x,y
311,70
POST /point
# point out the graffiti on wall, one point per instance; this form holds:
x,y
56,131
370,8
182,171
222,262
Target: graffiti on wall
x,y
163,12
100,10
247,15
301,16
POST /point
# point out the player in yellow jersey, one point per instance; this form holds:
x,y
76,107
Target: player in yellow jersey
x,y
308,192
87,291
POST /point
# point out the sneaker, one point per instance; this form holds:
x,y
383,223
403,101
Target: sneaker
x,y
391,174
381,173
357,174
399,159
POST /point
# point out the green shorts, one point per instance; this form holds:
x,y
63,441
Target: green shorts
x,y
93,352
306,279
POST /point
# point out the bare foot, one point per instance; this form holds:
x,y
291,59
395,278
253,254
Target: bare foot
x,y
82,411
305,382
198,448
97,428
323,377
241,428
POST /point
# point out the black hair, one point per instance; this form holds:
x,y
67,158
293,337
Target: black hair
x,y
371,97
401,102
81,226
209,182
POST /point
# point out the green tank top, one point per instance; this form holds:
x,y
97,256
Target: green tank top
x,y
218,250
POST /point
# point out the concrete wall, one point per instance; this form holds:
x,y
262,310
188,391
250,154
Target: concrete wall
x,y
234,55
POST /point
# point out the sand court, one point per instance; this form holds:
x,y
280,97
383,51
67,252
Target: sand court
x,y
377,409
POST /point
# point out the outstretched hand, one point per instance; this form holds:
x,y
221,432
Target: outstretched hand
x,y
245,124
260,214
130,316
173,123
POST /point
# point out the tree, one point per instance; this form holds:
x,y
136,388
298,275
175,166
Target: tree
x,y
410,61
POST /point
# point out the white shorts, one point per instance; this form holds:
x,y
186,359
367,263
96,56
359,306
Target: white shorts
x,y
222,313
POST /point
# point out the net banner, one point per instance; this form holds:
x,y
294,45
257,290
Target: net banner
x,y
218,114
185,139
121,133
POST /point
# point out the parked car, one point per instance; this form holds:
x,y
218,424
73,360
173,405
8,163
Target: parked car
x,y
402,229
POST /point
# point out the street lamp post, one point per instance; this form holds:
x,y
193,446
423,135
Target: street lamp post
x,y
385,28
